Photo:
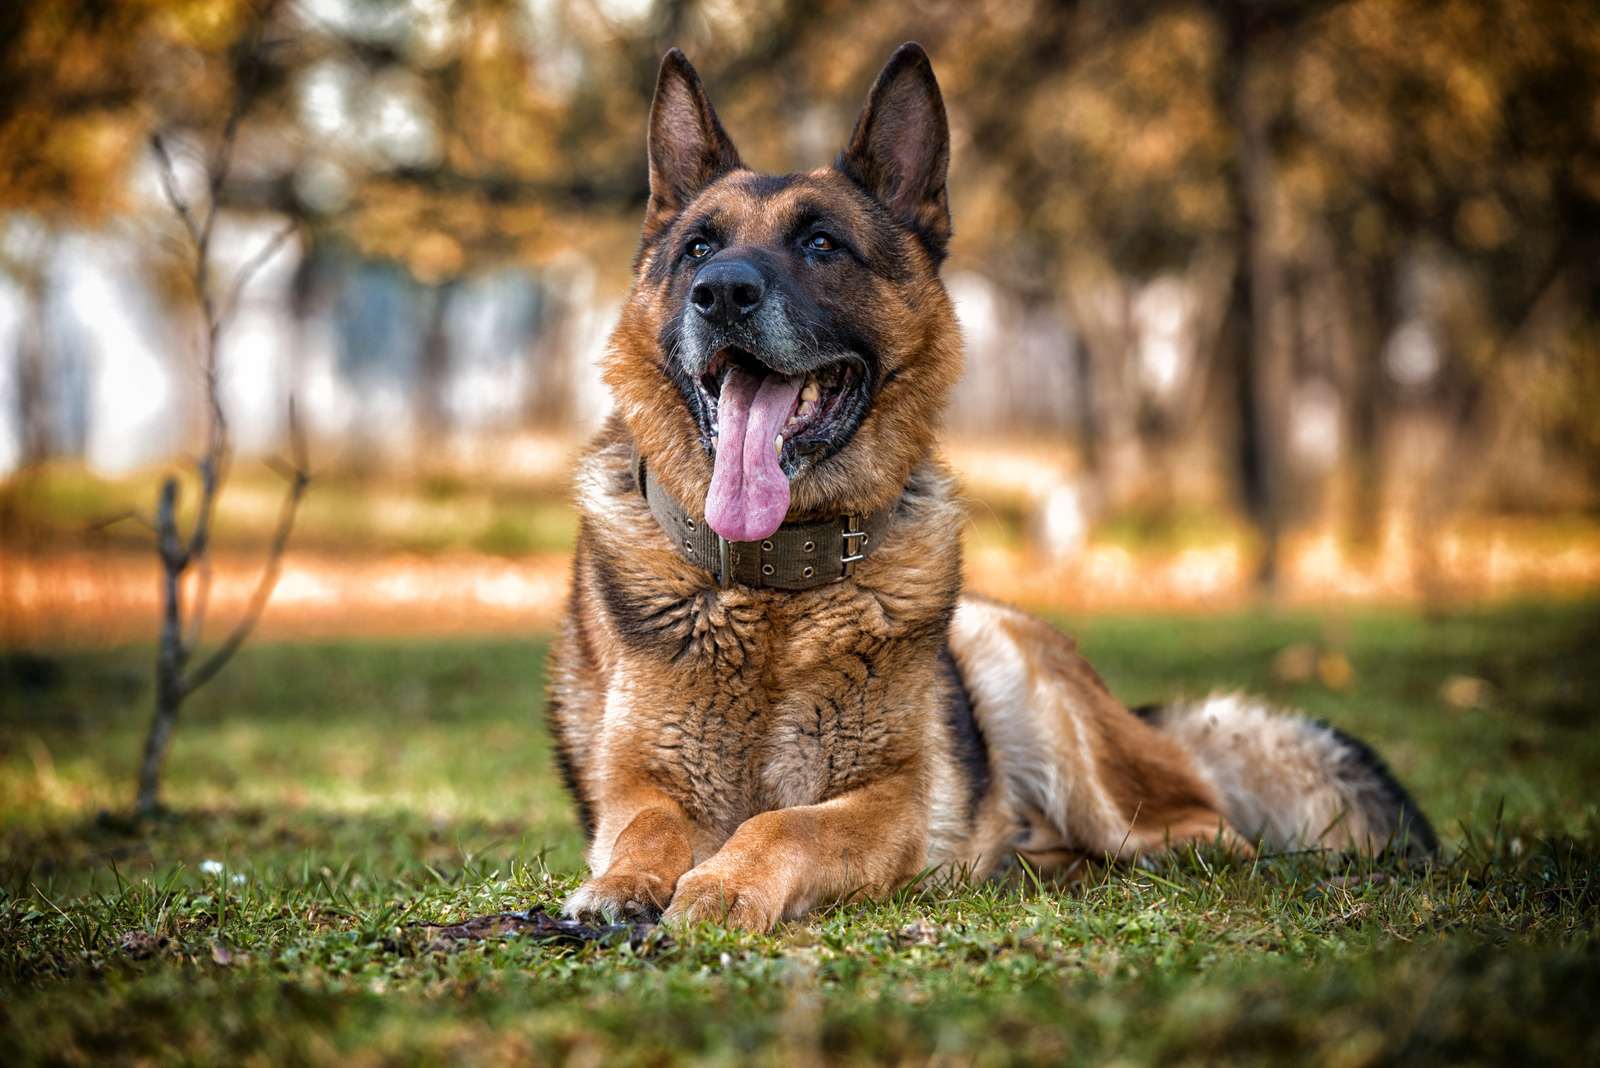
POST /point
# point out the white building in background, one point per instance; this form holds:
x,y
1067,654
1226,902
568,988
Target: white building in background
x,y
255,355
1022,372
109,388
121,382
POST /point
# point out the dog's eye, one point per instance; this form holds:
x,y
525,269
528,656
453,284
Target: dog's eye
x,y
820,242
699,249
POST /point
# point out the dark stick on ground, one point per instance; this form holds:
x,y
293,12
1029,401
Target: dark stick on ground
x,y
538,925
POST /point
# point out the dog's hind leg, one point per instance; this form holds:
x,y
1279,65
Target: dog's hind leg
x,y
1108,784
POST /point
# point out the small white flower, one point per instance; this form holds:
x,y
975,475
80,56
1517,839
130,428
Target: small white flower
x,y
238,878
211,867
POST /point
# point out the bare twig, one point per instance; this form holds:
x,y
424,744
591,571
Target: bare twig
x,y
169,661
200,538
132,515
252,266
299,479
169,183
173,682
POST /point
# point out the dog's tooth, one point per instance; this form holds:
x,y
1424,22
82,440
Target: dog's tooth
x,y
809,393
779,442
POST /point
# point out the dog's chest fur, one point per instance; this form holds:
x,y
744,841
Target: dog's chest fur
x,y
743,700
765,710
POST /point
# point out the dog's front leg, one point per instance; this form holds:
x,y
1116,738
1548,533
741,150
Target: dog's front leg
x,y
650,850
782,862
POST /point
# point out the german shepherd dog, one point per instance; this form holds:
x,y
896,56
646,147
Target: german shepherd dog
x,y
770,690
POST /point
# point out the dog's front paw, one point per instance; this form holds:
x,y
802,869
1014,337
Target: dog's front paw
x,y
706,894
619,897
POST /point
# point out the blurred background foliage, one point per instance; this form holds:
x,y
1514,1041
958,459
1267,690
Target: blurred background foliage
x,y
1306,261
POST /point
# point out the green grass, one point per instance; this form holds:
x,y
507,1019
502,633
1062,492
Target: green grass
x,y
63,504
348,789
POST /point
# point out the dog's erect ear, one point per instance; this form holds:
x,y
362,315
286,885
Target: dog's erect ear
x,y
900,150
688,147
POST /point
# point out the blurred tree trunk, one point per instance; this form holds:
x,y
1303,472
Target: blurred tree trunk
x,y
32,392
1087,418
1265,357
1374,313
21,534
433,376
1114,447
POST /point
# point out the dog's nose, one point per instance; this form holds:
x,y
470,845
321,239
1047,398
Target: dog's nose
x,y
727,292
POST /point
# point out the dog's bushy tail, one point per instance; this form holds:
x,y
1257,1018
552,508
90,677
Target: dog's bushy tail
x,y
1295,783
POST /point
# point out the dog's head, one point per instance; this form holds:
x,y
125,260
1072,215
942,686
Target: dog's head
x,y
788,347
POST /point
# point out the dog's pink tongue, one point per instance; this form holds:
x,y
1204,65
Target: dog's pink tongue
x,y
749,491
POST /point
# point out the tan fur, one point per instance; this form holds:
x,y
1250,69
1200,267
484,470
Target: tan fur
x,y
741,754
1075,761
906,414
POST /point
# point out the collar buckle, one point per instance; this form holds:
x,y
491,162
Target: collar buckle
x,y
853,553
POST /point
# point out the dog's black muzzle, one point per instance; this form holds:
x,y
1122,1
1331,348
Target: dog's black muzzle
x,y
745,310
741,301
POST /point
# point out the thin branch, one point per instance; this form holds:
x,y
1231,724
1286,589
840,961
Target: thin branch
x,y
132,515
200,235
209,467
297,439
170,660
249,83
176,648
169,183
173,562
263,591
167,544
200,604
300,478
262,257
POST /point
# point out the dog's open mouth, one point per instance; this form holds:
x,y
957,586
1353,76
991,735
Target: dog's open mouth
x,y
762,423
